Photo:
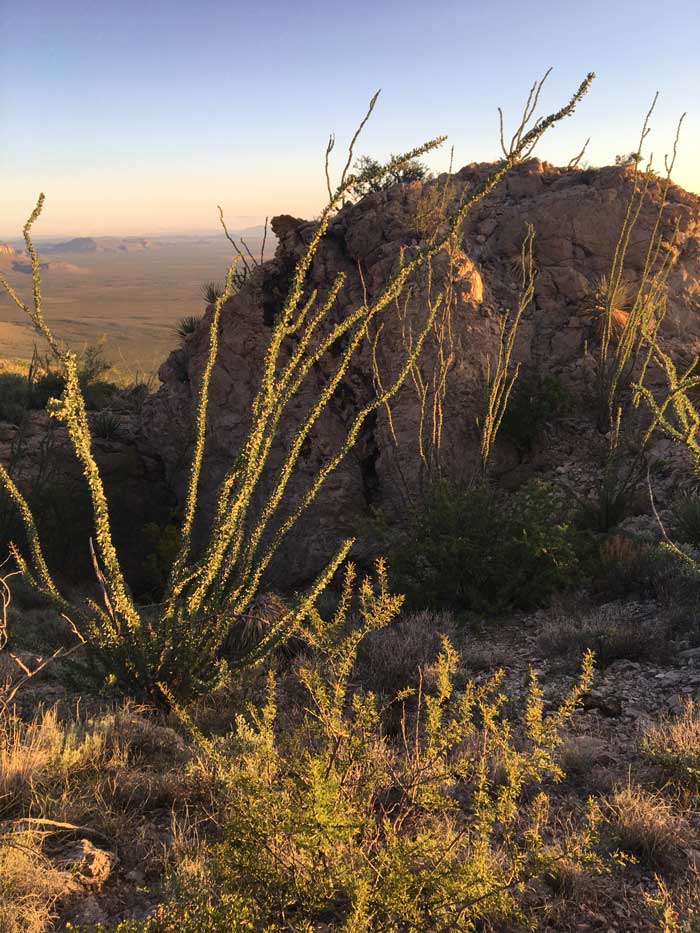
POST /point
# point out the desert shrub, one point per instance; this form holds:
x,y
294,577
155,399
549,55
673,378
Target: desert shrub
x,y
499,373
163,543
43,381
616,491
610,632
623,565
368,178
685,520
477,548
92,363
15,393
535,401
674,745
332,824
392,657
47,386
627,337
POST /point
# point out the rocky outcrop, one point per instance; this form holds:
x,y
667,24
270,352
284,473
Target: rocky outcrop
x,y
577,216
7,251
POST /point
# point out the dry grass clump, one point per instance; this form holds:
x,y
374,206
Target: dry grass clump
x,y
110,779
609,632
389,659
674,745
43,752
30,885
647,827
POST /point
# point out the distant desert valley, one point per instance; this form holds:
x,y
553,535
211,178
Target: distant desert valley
x,y
127,292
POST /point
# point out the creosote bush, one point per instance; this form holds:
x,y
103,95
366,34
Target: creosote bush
x,y
172,649
478,548
535,402
685,519
330,823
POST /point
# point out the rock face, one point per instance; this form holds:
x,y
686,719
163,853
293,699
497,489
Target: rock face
x,y
577,216
7,250
38,454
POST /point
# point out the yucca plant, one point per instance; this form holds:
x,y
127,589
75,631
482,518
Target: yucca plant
x,y
211,291
106,425
176,643
187,326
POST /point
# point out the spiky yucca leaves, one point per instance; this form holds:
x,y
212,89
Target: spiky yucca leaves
x,y
211,291
187,326
175,645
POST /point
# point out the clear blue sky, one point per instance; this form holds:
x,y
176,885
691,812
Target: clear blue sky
x,y
141,115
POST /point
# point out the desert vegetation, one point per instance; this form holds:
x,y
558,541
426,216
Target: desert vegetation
x,y
492,726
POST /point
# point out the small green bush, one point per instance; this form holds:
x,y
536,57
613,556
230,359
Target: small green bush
x,y
20,394
685,519
477,548
534,402
15,393
366,170
163,543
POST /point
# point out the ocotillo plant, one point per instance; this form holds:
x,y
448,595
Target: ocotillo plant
x,y
175,645
499,377
625,334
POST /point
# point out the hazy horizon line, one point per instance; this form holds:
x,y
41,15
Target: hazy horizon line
x,y
161,234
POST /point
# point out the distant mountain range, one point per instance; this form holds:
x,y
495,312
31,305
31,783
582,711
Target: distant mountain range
x,y
91,244
86,245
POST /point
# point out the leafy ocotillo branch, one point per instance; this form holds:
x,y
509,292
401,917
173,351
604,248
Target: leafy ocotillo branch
x,y
176,645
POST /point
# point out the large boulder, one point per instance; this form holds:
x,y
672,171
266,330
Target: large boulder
x,y
577,216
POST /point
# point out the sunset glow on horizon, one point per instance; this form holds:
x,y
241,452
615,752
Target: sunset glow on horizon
x,y
141,117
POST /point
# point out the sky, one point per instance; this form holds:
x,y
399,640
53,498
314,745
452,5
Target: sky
x,y
140,116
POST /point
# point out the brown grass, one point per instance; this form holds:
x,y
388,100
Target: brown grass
x,y
674,745
30,886
646,826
